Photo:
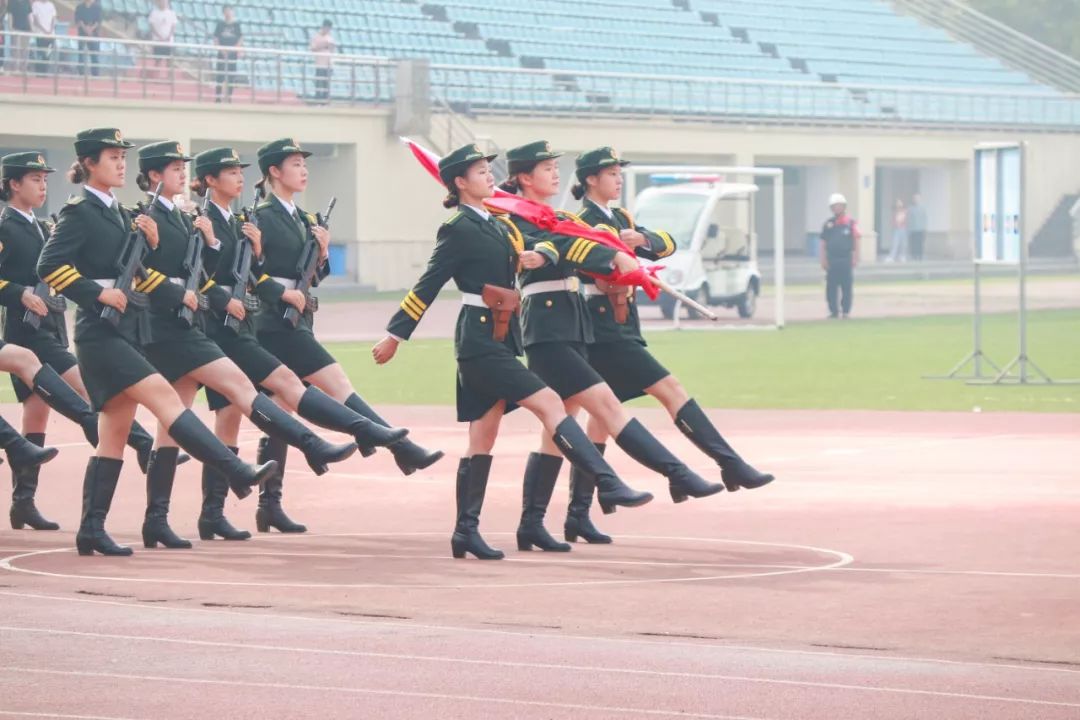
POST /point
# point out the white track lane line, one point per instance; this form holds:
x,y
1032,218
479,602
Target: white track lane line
x,y
62,716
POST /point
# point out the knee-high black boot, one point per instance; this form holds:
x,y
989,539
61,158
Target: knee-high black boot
x,y
541,472
99,485
279,424
20,451
159,485
142,443
270,513
580,451
472,479
683,482
212,520
62,398
735,472
578,522
321,409
409,456
24,478
190,433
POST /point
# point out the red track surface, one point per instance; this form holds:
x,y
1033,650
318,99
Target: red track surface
x,y
903,566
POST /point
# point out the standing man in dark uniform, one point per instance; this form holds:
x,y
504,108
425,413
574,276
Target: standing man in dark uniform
x,y
227,34
839,256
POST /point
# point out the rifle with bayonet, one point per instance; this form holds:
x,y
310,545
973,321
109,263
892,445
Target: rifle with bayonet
x,y
130,265
241,270
307,269
193,266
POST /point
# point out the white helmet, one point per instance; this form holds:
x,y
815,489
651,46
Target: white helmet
x,y
837,199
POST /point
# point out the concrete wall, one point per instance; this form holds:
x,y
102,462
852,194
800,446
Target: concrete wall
x,y
388,209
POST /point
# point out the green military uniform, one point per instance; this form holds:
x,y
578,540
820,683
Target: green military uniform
x,y
21,241
284,237
80,259
175,350
474,251
241,347
618,352
555,321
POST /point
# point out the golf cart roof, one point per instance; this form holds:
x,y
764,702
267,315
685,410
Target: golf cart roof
x,y
697,185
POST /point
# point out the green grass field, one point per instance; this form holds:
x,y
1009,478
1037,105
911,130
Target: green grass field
x,y
857,364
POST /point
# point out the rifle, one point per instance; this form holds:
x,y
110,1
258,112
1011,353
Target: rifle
x,y
55,303
307,269
193,266
130,265
241,270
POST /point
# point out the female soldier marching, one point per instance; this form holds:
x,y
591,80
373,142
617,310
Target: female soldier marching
x,y
80,261
480,255
219,173
286,231
556,329
618,351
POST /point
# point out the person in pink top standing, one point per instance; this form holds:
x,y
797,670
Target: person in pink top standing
x,y
323,45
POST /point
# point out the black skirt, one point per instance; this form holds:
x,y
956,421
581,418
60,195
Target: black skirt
x,y
483,381
628,367
50,351
109,366
175,358
563,366
252,358
298,349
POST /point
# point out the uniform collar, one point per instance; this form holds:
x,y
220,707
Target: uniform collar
x,y
225,213
482,212
30,217
166,203
603,208
290,208
107,199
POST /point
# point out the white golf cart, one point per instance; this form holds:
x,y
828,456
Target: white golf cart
x,y
712,222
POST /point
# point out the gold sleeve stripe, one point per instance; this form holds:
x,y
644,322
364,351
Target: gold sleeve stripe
x,y
262,279
70,279
574,248
550,247
56,273
57,279
409,303
579,250
410,312
153,279
3,284
585,253
416,299
669,244
209,284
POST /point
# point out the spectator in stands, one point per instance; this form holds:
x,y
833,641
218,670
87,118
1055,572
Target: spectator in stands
x,y
323,46
916,225
88,25
839,256
43,22
898,251
3,33
20,22
226,35
163,23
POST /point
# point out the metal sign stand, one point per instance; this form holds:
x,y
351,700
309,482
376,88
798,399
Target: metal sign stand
x,y
976,357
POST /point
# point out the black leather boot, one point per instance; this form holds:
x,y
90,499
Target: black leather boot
x,y
99,485
212,521
20,451
270,513
541,473
25,482
62,398
279,424
735,472
321,409
142,443
409,456
578,522
159,485
683,482
580,451
190,433
472,478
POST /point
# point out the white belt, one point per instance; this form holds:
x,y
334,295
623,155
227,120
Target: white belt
x,y
106,283
473,299
226,288
591,289
178,281
288,283
548,286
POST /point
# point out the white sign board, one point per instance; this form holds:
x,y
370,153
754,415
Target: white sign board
x,y
999,194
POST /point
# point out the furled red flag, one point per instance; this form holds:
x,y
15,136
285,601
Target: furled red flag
x,y
543,216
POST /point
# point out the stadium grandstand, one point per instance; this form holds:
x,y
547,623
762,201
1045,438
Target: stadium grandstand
x,y
878,100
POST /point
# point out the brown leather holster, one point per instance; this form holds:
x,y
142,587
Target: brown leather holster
x,y
503,302
619,297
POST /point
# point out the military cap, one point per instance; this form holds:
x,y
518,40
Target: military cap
x,y
274,152
20,163
89,142
589,162
453,161
533,152
216,159
157,155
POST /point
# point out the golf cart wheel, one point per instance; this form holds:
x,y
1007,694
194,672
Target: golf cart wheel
x,y
667,306
747,303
